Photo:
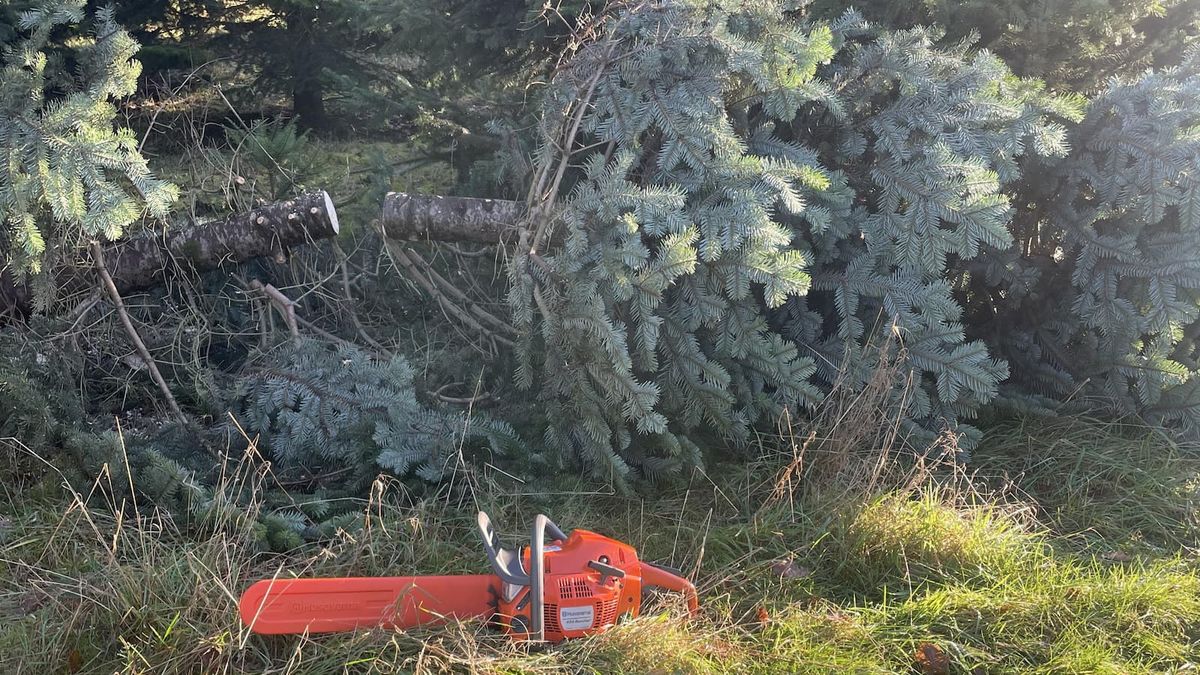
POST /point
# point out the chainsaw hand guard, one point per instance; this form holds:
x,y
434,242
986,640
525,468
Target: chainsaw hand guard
x,y
503,560
559,586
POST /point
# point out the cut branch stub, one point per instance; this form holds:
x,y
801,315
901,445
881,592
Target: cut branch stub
x,y
409,217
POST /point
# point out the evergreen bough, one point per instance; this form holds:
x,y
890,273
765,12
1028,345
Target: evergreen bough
x,y
334,411
753,202
69,173
1102,304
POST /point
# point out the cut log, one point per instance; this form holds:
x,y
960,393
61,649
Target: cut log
x,y
142,262
266,231
408,217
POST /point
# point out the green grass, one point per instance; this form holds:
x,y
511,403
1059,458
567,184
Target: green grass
x,y
1069,549
1103,484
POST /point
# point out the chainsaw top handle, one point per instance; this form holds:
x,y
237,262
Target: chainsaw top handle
x,y
507,565
537,589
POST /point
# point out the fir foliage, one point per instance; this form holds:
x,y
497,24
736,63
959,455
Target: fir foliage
x,y
35,407
1104,305
649,325
733,210
1070,44
69,173
762,201
926,142
334,415
766,197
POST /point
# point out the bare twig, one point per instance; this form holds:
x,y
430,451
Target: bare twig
x,y
486,250
453,291
479,397
173,94
413,271
462,400
266,325
285,305
81,310
343,264
442,389
151,365
308,325
548,191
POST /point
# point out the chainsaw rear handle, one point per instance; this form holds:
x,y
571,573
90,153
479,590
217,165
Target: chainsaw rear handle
x,y
652,575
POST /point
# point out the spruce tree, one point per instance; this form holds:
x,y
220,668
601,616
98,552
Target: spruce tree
x,y
760,198
70,173
1102,304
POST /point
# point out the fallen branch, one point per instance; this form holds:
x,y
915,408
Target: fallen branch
x,y
281,302
454,292
413,271
343,265
114,295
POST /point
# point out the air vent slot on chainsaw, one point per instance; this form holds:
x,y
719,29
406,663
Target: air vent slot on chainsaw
x,y
574,587
607,614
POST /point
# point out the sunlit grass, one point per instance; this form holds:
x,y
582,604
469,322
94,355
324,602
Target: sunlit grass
x,y
856,581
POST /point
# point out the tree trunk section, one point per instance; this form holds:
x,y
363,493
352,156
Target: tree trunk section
x,y
146,261
308,105
409,217
307,61
268,230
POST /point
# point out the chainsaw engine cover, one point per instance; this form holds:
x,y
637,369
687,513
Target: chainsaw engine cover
x,y
589,583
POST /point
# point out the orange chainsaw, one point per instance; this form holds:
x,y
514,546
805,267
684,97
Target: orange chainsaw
x,y
558,587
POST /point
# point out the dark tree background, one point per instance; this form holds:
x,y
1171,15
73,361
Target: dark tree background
x,y
338,65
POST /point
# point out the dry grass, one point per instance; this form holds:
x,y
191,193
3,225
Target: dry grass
x,y
841,552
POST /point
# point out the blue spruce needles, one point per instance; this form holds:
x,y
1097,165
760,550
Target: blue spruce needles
x,y
321,409
69,174
1104,305
750,200
652,328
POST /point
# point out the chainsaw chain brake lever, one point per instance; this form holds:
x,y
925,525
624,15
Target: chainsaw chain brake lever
x,y
505,562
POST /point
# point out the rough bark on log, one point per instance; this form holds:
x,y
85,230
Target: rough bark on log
x,y
409,217
146,261
268,230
